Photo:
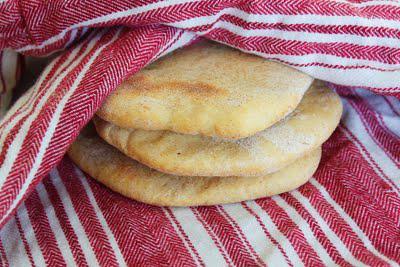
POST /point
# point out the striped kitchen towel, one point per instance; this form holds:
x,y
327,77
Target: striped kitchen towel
x,y
51,213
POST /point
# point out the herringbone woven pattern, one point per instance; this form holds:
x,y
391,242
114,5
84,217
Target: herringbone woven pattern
x,y
51,213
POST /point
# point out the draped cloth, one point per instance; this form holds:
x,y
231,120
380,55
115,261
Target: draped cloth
x,y
52,213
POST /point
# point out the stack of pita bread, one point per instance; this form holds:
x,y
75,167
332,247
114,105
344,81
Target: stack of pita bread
x,y
206,125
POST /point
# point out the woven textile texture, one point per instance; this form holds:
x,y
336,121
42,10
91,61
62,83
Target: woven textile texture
x,y
52,213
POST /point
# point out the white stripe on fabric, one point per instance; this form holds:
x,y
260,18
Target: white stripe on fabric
x,y
101,219
372,78
288,19
73,218
240,234
15,146
352,121
307,232
254,233
323,20
184,39
185,243
395,102
73,35
105,18
30,236
216,240
199,237
276,234
25,100
394,186
390,69
374,3
13,245
303,36
53,124
331,235
381,79
55,226
389,118
356,229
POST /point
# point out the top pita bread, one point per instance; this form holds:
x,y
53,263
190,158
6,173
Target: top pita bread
x,y
301,132
207,89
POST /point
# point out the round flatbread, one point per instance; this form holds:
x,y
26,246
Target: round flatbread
x,y
207,89
133,180
270,150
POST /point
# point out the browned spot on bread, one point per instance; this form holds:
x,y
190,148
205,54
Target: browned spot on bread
x,y
192,88
143,85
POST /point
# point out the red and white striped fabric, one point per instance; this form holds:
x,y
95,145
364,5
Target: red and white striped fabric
x,y
347,215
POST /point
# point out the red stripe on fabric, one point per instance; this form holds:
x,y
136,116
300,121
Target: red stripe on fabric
x,y
373,122
11,22
272,45
43,232
62,16
395,91
243,237
190,244
213,236
174,13
323,7
382,116
87,215
65,223
33,100
143,232
363,195
356,30
80,103
227,234
32,142
153,39
34,96
55,18
376,128
289,229
388,91
386,127
367,154
22,235
30,104
36,131
267,233
92,90
340,226
3,257
391,106
319,234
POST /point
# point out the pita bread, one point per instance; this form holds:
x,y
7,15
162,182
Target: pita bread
x,y
133,180
207,89
301,132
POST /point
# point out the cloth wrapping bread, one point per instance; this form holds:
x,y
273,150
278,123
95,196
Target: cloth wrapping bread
x,y
67,218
